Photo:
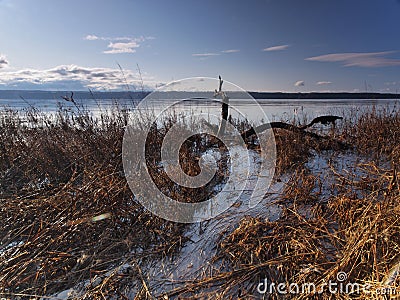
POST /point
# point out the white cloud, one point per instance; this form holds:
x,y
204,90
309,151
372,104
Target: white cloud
x,y
230,51
299,83
121,44
205,54
276,48
74,77
91,37
3,61
324,82
371,59
121,47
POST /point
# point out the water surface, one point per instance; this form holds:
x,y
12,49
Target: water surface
x,y
273,109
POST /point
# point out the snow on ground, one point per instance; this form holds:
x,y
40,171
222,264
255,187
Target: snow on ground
x,y
194,260
196,255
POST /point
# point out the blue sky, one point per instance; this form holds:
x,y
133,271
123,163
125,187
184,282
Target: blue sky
x,y
271,45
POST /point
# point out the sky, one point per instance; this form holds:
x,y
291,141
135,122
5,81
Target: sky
x,y
270,45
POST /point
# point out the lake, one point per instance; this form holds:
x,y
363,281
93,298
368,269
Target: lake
x,y
254,110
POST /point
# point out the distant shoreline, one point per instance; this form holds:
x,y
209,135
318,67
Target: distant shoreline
x,y
43,95
317,95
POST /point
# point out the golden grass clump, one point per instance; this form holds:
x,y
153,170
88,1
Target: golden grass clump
x,y
312,243
375,131
355,229
67,211
69,217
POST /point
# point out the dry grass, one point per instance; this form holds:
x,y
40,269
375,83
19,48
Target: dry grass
x,y
357,230
59,174
295,148
375,132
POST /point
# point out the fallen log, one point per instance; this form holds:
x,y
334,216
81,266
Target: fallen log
x,y
328,119
282,125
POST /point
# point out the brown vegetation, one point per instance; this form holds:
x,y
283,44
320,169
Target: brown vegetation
x,y
67,211
356,230
68,214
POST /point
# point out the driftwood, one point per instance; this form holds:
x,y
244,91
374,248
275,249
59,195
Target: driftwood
x,y
225,107
328,119
280,125
323,120
290,127
286,126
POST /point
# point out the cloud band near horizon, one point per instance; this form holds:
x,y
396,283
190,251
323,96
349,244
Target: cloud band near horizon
x,y
75,76
369,59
